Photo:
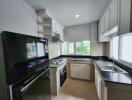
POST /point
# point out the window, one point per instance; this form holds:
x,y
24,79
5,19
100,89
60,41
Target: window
x,y
71,48
86,47
76,48
114,45
64,48
126,48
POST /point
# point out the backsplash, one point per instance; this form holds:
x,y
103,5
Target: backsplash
x,y
54,49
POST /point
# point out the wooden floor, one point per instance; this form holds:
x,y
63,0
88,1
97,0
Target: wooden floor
x,y
77,90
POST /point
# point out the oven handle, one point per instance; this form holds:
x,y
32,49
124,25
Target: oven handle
x,y
25,87
63,72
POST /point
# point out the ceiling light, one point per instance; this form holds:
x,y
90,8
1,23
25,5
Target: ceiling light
x,y
77,15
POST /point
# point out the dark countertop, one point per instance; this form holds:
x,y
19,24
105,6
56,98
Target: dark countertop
x,y
77,59
116,77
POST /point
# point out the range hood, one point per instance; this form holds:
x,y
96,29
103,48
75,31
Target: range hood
x,y
53,37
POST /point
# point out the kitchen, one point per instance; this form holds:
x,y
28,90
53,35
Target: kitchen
x,y
65,50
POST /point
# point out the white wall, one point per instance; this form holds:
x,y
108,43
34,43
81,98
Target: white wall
x,y
17,16
77,32
85,32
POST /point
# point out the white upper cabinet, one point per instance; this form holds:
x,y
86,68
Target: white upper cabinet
x,y
53,25
114,13
125,16
56,26
107,20
61,33
111,22
47,25
101,26
118,19
94,32
101,30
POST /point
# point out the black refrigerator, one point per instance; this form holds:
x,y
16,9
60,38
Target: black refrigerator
x,y
24,67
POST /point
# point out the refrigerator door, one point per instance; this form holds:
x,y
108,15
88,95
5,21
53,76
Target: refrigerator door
x,y
38,90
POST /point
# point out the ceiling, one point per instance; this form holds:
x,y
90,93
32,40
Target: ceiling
x,y
64,11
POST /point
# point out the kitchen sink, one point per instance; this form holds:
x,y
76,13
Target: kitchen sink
x,y
112,69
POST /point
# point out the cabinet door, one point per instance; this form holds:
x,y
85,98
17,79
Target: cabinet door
x,y
80,71
99,87
125,15
94,32
61,34
107,20
53,25
98,82
102,31
85,71
96,77
101,28
75,70
114,7
57,27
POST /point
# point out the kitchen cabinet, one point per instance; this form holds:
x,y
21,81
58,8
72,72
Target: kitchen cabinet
x,y
55,82
94,32
101,30
114,13
100,86
55,26
125,16
107,20
47,25
80,71
61,33
108,90
75,71
101,26
117,19
98,83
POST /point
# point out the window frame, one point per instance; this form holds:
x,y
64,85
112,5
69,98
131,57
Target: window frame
x,y
61,49
68,48
111,48
75,48
120,46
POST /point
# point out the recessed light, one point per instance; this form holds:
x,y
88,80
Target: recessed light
x,y
77,15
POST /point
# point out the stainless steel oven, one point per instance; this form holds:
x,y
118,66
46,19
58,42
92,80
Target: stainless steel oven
x,y
36,88
63,75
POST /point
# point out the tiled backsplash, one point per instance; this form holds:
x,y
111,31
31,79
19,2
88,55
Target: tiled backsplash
x,y
54,50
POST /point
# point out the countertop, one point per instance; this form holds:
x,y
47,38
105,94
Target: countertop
x,y
55,65
116,77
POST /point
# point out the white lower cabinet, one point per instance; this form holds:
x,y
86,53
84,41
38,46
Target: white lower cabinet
x,y
100,86
98,82
80,71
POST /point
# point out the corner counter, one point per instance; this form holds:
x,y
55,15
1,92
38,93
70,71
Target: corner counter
x,y
55,76
112,85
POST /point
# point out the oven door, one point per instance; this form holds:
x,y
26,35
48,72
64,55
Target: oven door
x,y
37,89
63,76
